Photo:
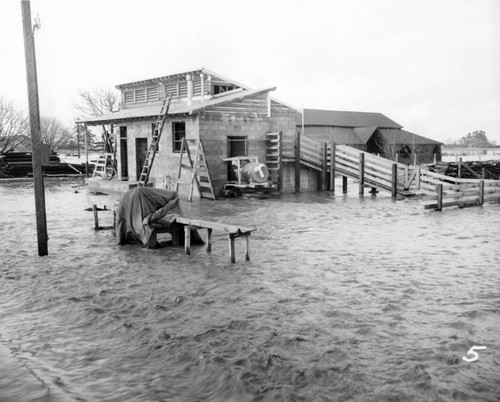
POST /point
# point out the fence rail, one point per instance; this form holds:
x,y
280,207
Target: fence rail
x,y
374,171
461,195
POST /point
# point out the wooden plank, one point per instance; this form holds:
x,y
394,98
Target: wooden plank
x,y
213,225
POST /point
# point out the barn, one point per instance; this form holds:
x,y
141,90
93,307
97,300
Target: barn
x,y
371,132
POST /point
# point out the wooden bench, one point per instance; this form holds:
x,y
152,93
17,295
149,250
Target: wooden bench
x,y
233,232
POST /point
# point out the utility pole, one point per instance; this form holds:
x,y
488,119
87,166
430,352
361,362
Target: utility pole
x,y
78,139
34,112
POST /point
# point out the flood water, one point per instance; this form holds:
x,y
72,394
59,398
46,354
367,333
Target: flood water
x,y
344,299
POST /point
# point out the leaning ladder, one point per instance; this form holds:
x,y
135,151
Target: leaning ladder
x,y
153,147
104,168
198,168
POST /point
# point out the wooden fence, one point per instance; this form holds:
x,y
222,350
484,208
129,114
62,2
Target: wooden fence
x,y
380,173
370,170
445,191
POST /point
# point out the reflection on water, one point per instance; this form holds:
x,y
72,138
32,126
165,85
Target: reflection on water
x,y
343,299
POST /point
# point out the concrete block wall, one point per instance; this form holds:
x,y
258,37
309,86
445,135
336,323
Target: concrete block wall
x,y
309,179
164,171
215,128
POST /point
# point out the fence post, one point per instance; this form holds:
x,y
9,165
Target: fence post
x,y
483,173
439,189
332,166
459,174
415,159
323,172
417,176
435,158
361,172
280,162
481,192
297,162
344,184
394,180
406,185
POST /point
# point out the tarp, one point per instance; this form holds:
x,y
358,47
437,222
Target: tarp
x,y
140,208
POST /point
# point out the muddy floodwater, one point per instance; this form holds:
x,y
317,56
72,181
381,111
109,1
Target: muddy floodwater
x,y
344,299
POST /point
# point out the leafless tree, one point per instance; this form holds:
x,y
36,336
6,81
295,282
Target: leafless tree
x,y
391,148
96,103
13,127
54,133
387,145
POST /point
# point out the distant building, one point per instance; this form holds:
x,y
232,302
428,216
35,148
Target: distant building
x,y
371,132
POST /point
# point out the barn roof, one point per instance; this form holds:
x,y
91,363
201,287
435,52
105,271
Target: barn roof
x,y
152,111
317,117
364,133
401,137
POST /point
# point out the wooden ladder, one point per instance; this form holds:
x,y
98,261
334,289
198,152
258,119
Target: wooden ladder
x,y
198,168
103,169
153,147
273,157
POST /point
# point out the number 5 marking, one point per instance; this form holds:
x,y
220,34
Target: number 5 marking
x,y
472,351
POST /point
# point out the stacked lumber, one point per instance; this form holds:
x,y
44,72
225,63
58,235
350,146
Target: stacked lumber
x,y
19,164
468,170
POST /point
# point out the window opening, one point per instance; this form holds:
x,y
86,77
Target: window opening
x,y
178,133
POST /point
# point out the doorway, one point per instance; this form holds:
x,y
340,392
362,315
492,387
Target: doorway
x,y
236,146
141,151
123,158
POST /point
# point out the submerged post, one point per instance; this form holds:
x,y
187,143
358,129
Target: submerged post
x,y
394,180
34,112
332,167
481,192
297,162
361,173
324,167
344,184
96,217
439,189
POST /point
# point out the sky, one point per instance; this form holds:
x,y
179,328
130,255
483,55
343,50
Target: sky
x,y
433,66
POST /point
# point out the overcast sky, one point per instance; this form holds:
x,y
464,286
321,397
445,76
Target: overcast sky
x,y
433,66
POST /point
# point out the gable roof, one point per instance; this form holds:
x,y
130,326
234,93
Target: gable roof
x,y
152,111
318,117
180,75
401,137
364,133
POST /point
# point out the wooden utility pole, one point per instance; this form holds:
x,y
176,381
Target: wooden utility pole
x,y
78,139
34,111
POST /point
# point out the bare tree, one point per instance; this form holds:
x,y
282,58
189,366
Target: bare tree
x,y
387,145
54,133
390,147
96,103
13,127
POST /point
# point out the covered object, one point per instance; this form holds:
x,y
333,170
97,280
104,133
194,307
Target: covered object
x,y
142,211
